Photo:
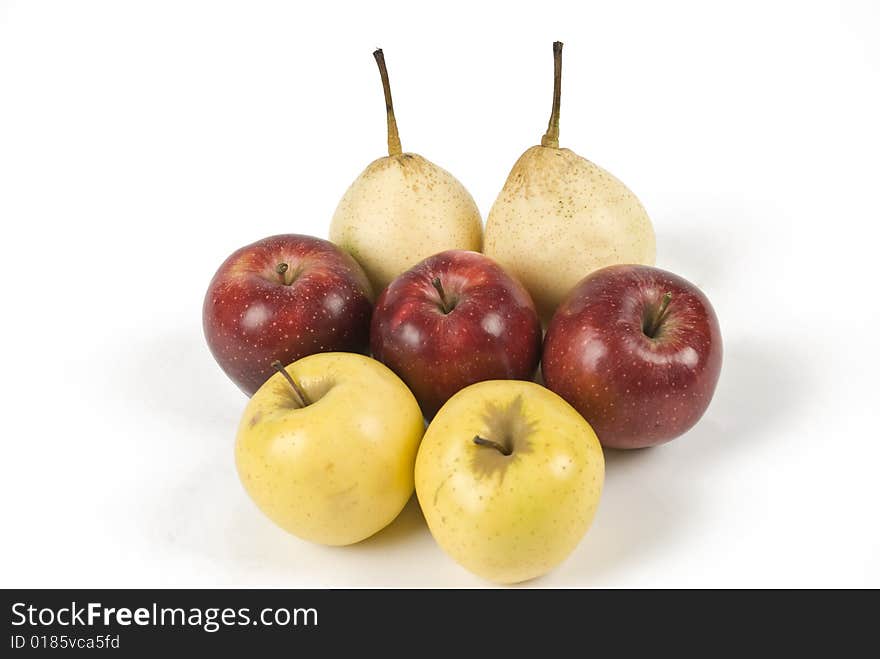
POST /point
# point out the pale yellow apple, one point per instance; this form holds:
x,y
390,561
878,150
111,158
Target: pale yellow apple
x,y
559,217
339,468
402,209
508,476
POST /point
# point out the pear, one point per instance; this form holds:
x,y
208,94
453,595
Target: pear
x,y
559,217
402,209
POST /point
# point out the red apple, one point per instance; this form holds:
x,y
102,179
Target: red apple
x,y
282,298
637,351
454,319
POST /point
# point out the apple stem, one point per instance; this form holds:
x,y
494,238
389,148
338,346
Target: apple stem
x,y
445,307
282,269
482,441
551,137
394,148
299,395
651,330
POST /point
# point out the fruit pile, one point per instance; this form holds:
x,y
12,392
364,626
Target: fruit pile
x,y
508,472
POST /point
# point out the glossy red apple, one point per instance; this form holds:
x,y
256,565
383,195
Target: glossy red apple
x,y
282,298
637,351
454,319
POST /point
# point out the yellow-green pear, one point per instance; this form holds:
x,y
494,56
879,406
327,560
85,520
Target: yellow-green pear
x,y
403,209
559,217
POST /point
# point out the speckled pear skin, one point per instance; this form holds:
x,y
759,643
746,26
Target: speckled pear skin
x,y
558,218
401,210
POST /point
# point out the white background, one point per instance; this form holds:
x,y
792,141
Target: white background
x,y
142,142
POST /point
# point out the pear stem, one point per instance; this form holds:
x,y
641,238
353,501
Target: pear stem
x,y
482,441
298,394
393,136
651,329
551,137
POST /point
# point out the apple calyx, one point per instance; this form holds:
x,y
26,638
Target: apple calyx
x,y
501,448
650,328
551,137
394,148
299,395
446,304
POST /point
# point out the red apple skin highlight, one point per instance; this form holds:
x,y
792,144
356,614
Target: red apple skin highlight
x,y
491,330
257,311
636,391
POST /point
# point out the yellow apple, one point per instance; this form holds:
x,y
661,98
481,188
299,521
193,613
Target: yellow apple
x,y
508,476
326,447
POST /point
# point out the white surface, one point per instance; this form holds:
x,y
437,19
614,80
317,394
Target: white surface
x,y
140,143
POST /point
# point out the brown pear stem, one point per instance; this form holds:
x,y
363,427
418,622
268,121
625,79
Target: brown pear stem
x,y
651,330
551,137
298,394
482,441
393,136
